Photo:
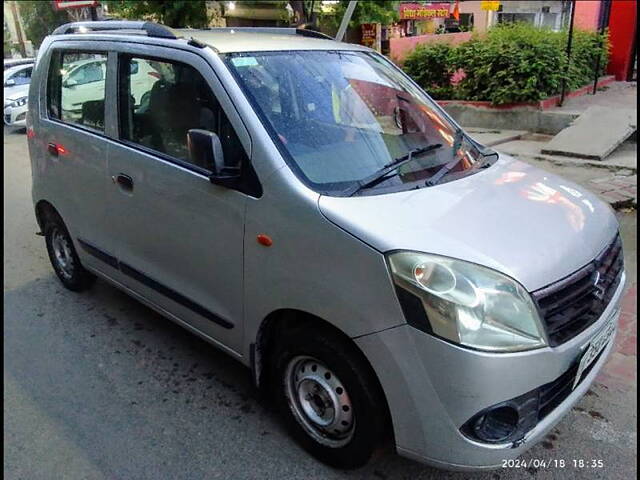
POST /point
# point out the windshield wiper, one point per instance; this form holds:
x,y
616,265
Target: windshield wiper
x,y
381,174
436,177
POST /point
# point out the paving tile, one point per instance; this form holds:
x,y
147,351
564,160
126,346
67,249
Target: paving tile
x,y
627,180
621,366
629,303
603,188
602,179
618,183
628,345
627,322
616,197
630,190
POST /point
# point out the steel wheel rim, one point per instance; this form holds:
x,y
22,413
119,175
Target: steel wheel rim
x,y
62,253
319,401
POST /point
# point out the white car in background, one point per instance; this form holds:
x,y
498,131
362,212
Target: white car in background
x,y
16,90
86,79
12,62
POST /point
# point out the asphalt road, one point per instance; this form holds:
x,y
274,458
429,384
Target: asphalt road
x,y
97,386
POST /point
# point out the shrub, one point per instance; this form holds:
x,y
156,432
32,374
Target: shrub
x,y
511,63
432,66
584,52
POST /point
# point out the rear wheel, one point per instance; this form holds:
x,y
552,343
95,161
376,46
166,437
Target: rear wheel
x,y
64,258
329,398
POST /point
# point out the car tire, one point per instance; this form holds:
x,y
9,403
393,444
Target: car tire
x,y
64,258
329,397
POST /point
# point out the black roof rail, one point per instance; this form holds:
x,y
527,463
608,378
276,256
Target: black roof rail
x,y
312,33
152,29
273,30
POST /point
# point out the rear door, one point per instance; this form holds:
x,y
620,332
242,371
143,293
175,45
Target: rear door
x,y
71,146
179,238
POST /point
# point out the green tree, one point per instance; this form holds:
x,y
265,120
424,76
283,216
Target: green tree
x,y
184,13
40,19
7,41
379,11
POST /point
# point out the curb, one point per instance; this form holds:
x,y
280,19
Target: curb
x,y
544,104
577,162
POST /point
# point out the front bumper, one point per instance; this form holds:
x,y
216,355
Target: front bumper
x,y
15,117
434,387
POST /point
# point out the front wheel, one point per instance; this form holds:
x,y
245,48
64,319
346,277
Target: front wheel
x,y
329,398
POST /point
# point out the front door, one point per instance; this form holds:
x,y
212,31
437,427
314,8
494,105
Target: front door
x,y
178,237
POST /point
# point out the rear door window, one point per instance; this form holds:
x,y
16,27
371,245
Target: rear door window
x,y
76,88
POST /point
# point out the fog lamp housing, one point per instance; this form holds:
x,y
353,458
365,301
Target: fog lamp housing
x,y
497,425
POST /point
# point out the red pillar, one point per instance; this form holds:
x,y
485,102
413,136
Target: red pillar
x,y
622,35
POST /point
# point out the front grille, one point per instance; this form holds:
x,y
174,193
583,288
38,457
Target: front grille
x,y
571,305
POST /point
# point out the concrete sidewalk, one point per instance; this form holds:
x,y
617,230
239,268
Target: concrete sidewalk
x,y
616,95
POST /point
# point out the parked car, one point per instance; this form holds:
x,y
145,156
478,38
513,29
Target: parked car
x,y
12,62
86,80
303,205
16,91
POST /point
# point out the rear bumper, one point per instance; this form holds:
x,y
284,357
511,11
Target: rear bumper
x,y
433,388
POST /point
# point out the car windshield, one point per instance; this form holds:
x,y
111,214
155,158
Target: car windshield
x,y
20,74
340,117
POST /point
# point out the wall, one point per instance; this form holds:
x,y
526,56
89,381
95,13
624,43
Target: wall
x,y
401,47
531,6
587,14
481,18
622,34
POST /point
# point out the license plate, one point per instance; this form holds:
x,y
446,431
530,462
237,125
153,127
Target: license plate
x,y
597,344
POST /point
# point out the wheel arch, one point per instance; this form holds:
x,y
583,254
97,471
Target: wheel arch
x,y
44,211
284,320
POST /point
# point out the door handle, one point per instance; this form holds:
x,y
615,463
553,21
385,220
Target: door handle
x,y
52,148
125,182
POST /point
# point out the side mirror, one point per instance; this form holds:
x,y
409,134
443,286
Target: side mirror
x,y
205,150
69,83
10,83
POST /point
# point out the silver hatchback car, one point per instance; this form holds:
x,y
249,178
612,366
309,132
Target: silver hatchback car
x,y
303,205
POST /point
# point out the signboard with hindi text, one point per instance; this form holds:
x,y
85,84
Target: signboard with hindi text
x,y
61,4
418,11
372,35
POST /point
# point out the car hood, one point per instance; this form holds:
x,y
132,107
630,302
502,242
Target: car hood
x,y
534,226
14,93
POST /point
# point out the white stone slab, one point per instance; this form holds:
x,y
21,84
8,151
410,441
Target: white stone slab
x,y
594,134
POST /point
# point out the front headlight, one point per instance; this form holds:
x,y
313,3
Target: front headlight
x,y
469,304
20,102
